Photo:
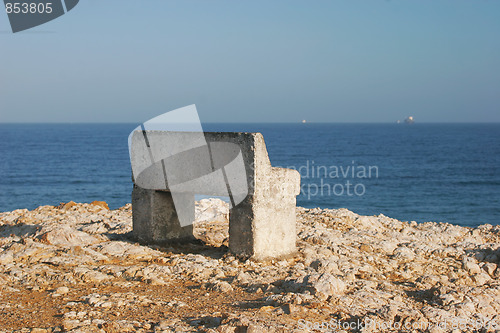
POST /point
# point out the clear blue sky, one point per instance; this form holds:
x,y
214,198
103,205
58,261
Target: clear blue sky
x,y
258,61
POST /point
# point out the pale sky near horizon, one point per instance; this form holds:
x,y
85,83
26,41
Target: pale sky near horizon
x,y
256,61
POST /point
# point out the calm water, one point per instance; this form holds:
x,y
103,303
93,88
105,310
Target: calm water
x,y
421,172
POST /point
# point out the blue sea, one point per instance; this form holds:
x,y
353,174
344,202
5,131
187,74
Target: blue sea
x,y
420,172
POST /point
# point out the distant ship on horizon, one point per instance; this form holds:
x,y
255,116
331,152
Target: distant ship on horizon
x,y
409,120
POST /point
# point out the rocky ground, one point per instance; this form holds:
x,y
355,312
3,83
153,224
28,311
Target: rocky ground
x,y
75,268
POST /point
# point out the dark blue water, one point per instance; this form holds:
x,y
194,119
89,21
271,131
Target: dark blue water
x,y
421,172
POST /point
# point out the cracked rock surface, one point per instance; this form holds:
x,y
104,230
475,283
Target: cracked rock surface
x,y
75,268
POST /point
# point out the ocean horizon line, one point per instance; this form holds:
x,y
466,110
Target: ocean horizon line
x,y
269,122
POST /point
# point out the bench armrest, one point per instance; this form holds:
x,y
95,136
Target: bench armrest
x,y
289,178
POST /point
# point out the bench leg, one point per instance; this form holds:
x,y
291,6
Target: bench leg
x,y
241,238
263,228
155,219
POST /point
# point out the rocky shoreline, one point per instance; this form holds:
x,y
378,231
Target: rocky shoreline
x,y
75,268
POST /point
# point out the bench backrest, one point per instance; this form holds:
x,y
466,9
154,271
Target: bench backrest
x,y
211,163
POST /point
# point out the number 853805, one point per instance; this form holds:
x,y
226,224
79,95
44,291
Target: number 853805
x,y
28,7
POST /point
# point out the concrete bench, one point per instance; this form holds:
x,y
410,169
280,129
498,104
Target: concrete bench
x,y
262,213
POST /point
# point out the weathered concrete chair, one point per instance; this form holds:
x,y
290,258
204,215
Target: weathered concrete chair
x,y
261,226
